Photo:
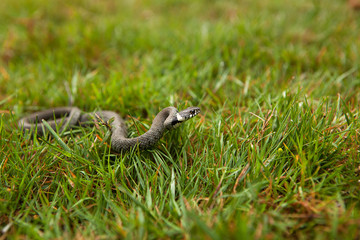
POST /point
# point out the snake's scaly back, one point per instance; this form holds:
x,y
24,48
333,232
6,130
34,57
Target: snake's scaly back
x,y
168,118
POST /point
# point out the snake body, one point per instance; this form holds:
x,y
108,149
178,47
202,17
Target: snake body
x,y
67,117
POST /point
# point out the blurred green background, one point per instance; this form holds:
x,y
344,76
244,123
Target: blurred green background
x,y
151,47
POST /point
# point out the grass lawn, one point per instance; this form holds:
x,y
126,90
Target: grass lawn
x,y
273,155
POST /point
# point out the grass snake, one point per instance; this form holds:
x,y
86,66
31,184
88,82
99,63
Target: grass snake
x,y
67,117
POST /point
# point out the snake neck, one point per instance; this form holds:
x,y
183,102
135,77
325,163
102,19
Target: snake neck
x,y
120,142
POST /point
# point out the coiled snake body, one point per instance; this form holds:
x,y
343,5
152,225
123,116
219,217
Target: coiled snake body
x,y
168,118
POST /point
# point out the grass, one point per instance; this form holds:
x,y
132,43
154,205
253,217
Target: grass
x,y
274,154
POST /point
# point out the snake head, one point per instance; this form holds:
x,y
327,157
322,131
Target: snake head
x,y
184,115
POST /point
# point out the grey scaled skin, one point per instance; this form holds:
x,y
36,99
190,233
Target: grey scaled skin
x,y
166,119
